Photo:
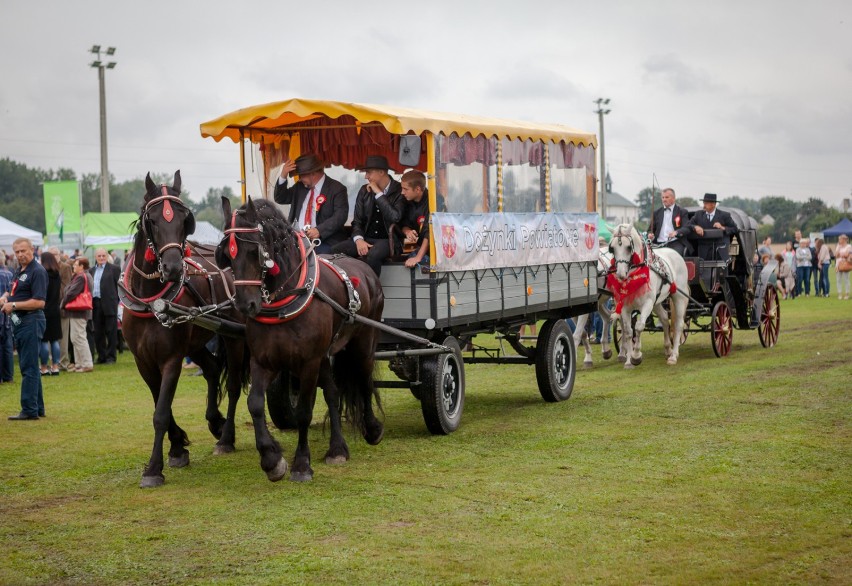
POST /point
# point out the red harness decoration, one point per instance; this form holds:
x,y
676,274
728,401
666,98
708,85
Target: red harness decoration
x,y
637,283
168,214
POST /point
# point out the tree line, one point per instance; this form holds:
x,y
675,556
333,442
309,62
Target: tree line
x,y
811,216
21,195
21,201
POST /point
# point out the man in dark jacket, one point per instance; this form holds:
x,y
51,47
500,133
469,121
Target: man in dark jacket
x,y
105,306
319,205
668,224
713,218
379,205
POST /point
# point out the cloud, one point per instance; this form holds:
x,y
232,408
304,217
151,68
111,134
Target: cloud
x,y
671,71
526,82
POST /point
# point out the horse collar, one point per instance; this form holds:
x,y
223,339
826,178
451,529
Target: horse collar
x,y
296,300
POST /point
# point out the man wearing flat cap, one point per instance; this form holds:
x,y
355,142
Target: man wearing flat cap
x,y
319,205
379,205
712,217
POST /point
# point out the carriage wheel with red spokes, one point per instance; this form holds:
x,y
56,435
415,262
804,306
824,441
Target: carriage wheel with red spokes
x,y
770,320
723,330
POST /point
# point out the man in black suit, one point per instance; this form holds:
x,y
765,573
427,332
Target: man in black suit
x,y
105,276
668,224
378,205
319,205
713,218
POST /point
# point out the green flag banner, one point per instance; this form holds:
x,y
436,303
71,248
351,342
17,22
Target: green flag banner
x,y
62,218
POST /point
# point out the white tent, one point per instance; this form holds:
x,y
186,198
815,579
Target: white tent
x,y
206,233
10,231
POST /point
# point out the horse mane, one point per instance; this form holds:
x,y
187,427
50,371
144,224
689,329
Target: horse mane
x,y
277,232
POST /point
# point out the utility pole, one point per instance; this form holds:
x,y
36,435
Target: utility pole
x,y
601,102
101,66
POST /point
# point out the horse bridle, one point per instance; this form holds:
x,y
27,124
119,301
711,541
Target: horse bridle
x,y
266,262
168,215
628,261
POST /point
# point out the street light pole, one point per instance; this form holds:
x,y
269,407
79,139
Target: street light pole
x,y
601,102
101,66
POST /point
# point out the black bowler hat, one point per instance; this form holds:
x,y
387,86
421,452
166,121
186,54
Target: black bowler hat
x,y
709,198
376,162
307,164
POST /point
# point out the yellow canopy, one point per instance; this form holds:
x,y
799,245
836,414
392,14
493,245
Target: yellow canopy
x,y
268,120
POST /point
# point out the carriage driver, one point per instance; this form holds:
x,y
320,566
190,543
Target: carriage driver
x,y
713,218
319,205
668,224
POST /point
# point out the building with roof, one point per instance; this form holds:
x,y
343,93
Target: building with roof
x,y
618,209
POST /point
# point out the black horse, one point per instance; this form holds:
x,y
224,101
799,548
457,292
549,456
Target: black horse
x,y
162,266
300,308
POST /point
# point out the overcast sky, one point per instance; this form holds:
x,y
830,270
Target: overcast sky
x,y
748,98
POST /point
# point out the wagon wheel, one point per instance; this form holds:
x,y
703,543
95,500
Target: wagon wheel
x,y
722,330
555,361
282,396
770,320
442,389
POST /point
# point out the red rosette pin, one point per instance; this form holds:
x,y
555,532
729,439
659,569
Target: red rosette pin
x,y
420,221
320,201
677,221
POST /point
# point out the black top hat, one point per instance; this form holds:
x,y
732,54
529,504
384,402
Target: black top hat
x,y
709,197
376,162
307,164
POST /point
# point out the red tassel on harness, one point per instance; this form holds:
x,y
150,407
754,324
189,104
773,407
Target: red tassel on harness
x,y
635,260
187,252
355,281
149,255
274,270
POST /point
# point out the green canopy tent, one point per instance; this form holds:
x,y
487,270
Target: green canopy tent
x,y
110,231
604,229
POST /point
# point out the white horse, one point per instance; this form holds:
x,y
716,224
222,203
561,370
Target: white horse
x,y
580,336
643,279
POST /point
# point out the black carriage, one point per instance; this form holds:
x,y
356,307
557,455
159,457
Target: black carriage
x,y
729,287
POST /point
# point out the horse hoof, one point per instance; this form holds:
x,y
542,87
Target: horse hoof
x,y
375,434
301,476
179,461
622,358
152,481
628,366
587,364
607,354
672,360
278,472
636,361
336,460
221,450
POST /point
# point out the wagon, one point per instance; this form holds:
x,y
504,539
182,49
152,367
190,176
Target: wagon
x,y
513,236
725,295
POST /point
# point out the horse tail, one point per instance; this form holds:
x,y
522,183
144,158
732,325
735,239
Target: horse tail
x,y
354,382
223,364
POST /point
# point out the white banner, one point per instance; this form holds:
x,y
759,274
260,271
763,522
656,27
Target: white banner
x,y
484,241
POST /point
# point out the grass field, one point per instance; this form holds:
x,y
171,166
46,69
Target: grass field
x,y
732,470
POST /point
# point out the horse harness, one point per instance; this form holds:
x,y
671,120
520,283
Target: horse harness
x,y
173,291
648,260
296,300
153,253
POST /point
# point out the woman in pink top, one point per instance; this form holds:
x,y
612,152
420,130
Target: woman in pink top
x,y
844,251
